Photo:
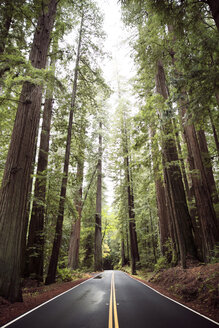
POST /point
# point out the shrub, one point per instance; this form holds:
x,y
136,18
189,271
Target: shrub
x,y
161,264
64,274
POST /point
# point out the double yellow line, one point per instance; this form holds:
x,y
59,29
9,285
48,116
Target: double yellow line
x,y
112,306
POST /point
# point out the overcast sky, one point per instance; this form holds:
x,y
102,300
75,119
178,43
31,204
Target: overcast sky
x,y
121,64
117,43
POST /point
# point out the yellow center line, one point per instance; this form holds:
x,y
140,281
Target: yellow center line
x,y
113,306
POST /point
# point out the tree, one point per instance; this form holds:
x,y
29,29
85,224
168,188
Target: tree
x,y
16,180
122,166
150,47
131,209
35,244
73,252
182,219
51,275
87,77
6,17
98,225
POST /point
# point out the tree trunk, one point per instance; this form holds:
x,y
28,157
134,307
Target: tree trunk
x,y
127,244
190,198
51,276
163,216
29,203
214,132
174,257
132,225
98,233
206,158
35,245
206,213
16,180
162,209
152,238
183,169
88,257
73,253
214,7
131,207
123,259
175,185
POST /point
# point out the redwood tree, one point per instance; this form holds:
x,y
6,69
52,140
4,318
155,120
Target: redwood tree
x,y
130,196
16,180
51,275
73,253
182,219
98,225
35,245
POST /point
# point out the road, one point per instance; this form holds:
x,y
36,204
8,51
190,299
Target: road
x,y
111,300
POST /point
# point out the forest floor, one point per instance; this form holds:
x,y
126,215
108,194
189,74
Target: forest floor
x,y
196,287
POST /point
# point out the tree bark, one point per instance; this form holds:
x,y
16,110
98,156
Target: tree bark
x,y
208,220
35,245
183,169
98,233
163,218
51,275
175,256
162,209
16,180
175,185
154,246
206,159
73,253
130,195
214,132
123,259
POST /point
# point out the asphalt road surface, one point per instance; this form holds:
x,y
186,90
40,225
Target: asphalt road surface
x,y
111,300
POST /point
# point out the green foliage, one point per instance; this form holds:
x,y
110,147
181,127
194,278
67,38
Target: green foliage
x,y
161,264
215,255
64,274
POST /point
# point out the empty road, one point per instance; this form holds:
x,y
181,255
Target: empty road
x,y
111,300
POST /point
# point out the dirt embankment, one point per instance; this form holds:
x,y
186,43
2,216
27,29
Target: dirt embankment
x,y
196,287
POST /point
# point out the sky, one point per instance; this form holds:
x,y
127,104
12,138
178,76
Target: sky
x,y
117,43
121,63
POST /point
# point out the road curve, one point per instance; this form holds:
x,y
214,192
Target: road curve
x,y
111,300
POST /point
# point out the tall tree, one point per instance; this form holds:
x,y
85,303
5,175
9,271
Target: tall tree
x,y
121,165
73,252
98,223
206,159
16,180
205,209
51,275
174,180
35,244
131,208
162,208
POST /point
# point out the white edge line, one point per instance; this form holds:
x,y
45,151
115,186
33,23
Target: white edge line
x,y
172,299
37,307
